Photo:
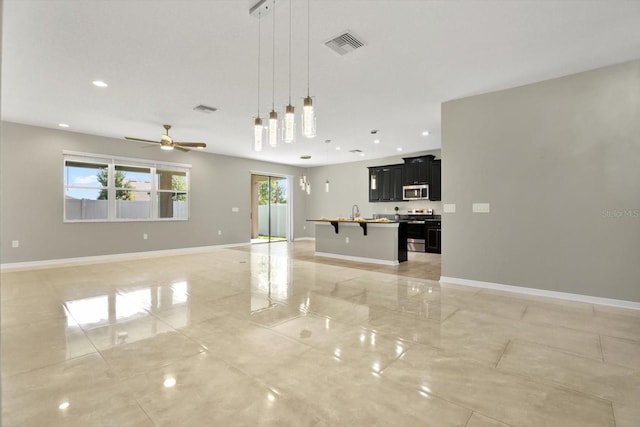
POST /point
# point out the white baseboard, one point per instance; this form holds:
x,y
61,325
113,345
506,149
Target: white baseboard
x,y
542,292
63,262
356,258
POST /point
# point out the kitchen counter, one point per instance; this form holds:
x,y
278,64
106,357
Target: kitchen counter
x,y
374,241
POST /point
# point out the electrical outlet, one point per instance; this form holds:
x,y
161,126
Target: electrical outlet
x,y
346,239
145,236
219,232
15,243
481,208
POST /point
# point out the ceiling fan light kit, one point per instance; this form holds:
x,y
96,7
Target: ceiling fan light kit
x,y
168,144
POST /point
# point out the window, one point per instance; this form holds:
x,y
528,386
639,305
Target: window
x,y
100,188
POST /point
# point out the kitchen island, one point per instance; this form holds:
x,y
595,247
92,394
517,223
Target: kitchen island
x,y
362,240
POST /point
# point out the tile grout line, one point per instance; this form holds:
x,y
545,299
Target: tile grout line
x,y
504,350
469,419
601,349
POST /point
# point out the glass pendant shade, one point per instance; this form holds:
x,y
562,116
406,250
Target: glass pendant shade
x,y
326,186
308,188
273,128
258,130
308,119
374,182
289,130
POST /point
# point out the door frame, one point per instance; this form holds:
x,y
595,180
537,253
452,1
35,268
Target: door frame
x,y
290,201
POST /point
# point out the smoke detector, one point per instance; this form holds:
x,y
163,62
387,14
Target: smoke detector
x,y
344,43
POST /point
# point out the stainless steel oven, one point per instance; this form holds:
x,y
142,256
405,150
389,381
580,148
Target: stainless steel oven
x,y
415,192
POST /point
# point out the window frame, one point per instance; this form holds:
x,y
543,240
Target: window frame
x,y
111,162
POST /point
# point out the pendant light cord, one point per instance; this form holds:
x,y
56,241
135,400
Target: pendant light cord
x,y
308,45
290,20
273,71
259,12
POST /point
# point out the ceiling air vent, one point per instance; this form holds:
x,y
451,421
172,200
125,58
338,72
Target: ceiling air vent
x,y
205,109
344,43
356,151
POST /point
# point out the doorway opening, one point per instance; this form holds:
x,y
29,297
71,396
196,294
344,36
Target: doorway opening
x,y
269,209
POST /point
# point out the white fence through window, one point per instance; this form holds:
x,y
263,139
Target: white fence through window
x,y
87,209
278,220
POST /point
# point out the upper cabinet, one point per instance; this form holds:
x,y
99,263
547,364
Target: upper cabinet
x,y
417,170
435,182
385,183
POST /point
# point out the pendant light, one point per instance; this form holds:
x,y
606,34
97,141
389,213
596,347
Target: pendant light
x,y
308,115
258,129
273,116
289,129
326,183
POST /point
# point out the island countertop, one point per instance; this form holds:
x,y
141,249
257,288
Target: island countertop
x,y
357,220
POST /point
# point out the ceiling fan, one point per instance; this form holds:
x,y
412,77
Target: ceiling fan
x,y
166,143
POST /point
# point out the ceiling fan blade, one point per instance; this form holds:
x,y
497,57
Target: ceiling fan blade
x,y
141,140
176,146
191,144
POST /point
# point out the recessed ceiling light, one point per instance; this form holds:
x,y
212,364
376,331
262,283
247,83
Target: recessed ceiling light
x,y
338,148
63,125
361,154
99,83
425,133
169,382
399,149
63,406
305,157
376,141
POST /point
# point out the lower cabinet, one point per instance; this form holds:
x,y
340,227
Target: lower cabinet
x,y
433,242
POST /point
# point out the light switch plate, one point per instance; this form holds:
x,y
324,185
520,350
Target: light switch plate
x,y
481,208
449,208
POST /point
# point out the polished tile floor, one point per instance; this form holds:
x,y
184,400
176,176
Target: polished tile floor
x,y
266,335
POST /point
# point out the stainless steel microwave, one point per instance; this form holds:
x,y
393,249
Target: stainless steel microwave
x,y
415,192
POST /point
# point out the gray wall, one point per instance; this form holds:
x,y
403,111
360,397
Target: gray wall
x,y
559,162
349,185
32,199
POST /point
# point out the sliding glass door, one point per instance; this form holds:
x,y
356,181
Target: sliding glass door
x,y
269,207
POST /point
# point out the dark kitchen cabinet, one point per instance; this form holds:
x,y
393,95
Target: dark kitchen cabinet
x,y
433,242
388,183
435,183
417,170
375,181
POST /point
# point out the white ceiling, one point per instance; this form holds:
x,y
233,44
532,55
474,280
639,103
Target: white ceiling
x,y
162,58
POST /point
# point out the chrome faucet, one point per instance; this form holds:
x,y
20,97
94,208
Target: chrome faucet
x,y
355,212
